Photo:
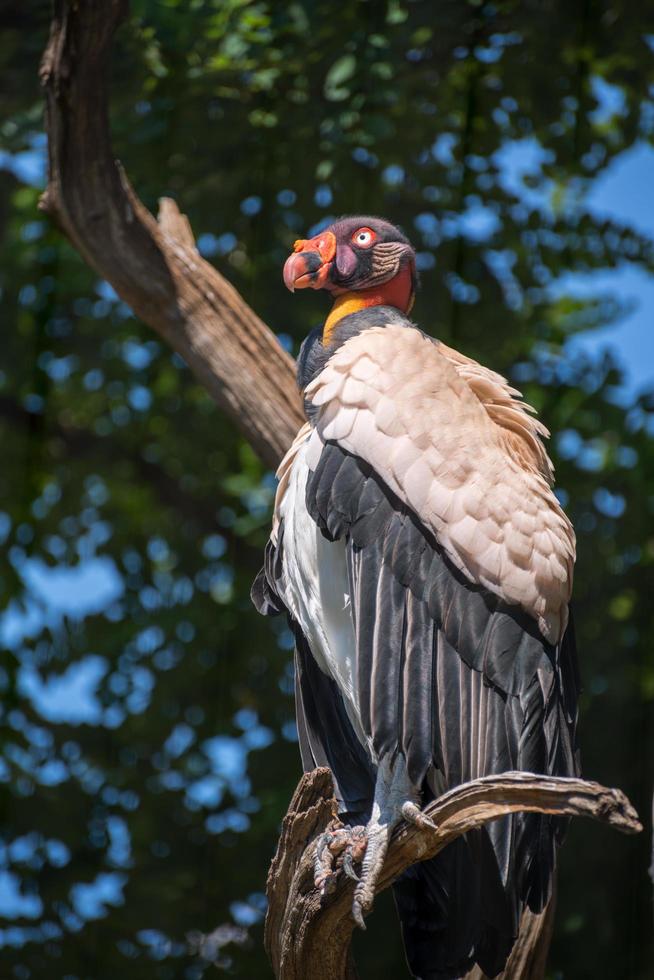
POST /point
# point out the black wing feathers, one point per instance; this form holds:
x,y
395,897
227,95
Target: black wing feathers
x,y
326,735
265,591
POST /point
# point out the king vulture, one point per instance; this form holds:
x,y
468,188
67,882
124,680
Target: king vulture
x,y
425,567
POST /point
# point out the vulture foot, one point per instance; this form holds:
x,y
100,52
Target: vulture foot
x,y
394,800
343,847
348,843
373,862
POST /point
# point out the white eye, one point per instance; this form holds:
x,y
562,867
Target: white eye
x,y
363,237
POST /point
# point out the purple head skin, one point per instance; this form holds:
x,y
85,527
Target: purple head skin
x,y
353,253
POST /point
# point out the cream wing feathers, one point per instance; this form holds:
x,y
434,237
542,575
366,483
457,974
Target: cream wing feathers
x,y
451,439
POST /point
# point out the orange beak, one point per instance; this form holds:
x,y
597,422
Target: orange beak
x,y
311,262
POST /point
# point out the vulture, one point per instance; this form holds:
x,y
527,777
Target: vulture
x,y
425,566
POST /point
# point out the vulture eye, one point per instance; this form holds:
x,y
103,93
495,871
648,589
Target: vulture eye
x,y
364,237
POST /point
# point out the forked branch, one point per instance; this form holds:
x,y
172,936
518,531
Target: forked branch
x,y
309,937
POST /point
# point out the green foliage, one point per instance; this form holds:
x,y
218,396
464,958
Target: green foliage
x,y
146,728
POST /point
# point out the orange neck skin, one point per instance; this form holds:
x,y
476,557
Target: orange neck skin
x,y
396,292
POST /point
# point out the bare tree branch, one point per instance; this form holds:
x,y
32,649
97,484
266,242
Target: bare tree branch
x,y
154,267
309,937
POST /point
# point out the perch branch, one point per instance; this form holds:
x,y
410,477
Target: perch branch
x,y
306,936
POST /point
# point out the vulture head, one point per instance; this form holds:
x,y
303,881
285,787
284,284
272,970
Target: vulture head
x,y
359,254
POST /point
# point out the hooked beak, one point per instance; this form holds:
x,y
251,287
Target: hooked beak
x,y
311,262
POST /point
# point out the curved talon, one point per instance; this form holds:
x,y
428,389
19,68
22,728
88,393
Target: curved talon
x,y
348,841
321,880
348,864
364,896
323,874
413,814
355,851
326,884
333,841
357,915
324,860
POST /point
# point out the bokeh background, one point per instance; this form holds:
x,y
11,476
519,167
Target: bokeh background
x,y
147,740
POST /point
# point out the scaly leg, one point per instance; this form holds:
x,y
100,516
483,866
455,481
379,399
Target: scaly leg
x,y
341,846
395,799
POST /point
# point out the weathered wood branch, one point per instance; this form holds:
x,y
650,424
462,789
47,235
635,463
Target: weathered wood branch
x,y
153,266
309,937
156,269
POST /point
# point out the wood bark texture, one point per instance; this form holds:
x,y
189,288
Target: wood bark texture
x,y
154,266
156,269
309,937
